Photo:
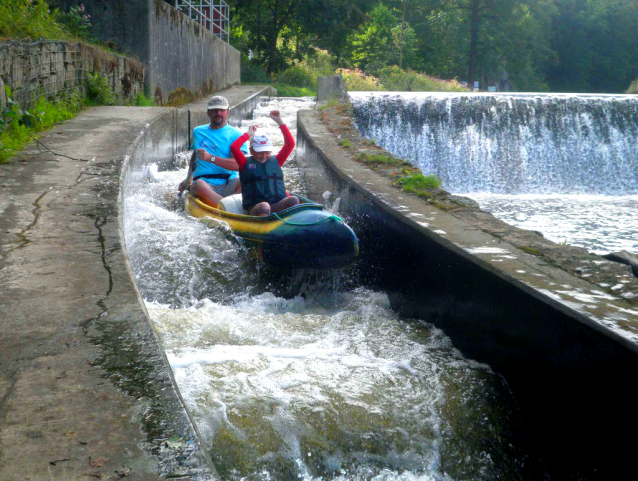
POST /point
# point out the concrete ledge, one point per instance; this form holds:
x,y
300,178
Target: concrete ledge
x,y
569,363
85,389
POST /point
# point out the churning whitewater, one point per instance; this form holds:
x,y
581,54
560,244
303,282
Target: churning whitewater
x,y
310,375
562,164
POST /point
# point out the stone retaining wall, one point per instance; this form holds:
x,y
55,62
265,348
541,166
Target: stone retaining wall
x,y
52,68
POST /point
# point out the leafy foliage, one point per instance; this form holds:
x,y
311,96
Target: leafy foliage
x,y
275,32
375,44
30,19
18,127
99,91
77,22
596,45
527,45
357,80
395,79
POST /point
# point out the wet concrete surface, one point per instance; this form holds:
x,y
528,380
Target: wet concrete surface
x,y
65,283
85,389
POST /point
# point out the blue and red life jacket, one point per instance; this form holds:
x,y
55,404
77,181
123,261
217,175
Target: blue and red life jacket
x,y
262,182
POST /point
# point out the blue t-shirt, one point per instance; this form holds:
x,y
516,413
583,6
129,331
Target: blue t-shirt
x,y
215,142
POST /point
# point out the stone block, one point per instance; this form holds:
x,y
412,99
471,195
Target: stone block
x,y
331,87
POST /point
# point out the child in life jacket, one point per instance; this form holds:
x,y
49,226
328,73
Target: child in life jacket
x,y
262,180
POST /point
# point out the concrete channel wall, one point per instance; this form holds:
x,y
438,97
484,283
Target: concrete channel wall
x,y
570,372
183,59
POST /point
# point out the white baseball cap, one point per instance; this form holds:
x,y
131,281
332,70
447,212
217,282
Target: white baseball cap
x,y
261,143
218,102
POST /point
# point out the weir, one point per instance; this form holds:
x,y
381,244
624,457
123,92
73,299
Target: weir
x,y
510,143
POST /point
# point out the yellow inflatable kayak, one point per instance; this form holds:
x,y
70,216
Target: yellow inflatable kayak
x,y
303,236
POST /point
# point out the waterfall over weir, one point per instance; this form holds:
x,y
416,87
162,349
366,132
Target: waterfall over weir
x,y
510,144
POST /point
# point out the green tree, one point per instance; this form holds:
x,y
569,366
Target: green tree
x,y
597,45
484,39
382,41
277,31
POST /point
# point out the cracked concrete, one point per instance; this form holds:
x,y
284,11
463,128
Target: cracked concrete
x,y
65,283
82,373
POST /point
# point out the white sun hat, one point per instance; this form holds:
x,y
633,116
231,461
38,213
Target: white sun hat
x,y
261,143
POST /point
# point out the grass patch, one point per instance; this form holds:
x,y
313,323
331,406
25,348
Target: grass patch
x,y
287,90
416,183
142,100
395,79
419,185
379,159
530,250
21,127
328,105
345,143
292,91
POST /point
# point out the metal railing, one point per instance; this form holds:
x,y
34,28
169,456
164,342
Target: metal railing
x,y
213,15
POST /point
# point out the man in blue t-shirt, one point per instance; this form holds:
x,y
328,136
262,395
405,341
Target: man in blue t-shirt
x,y
212,170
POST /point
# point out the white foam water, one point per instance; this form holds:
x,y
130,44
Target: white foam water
x,y
322,382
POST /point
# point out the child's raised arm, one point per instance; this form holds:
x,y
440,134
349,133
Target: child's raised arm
x,y
289,142
235,148
276,116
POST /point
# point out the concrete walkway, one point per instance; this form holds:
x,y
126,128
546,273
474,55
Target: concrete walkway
x,y
85,390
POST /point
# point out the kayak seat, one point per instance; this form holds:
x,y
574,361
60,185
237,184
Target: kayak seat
x,y
232,204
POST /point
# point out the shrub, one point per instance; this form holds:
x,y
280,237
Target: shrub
x,y
99,91
395,79
633,88
253,72
142,100
77,22
306,73
358,80
416,183
27,19
297,76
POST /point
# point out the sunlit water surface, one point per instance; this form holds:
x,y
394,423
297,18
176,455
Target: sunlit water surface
x,y
324,382
601,224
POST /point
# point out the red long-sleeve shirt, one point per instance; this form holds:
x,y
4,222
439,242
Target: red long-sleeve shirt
x,y
282,156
